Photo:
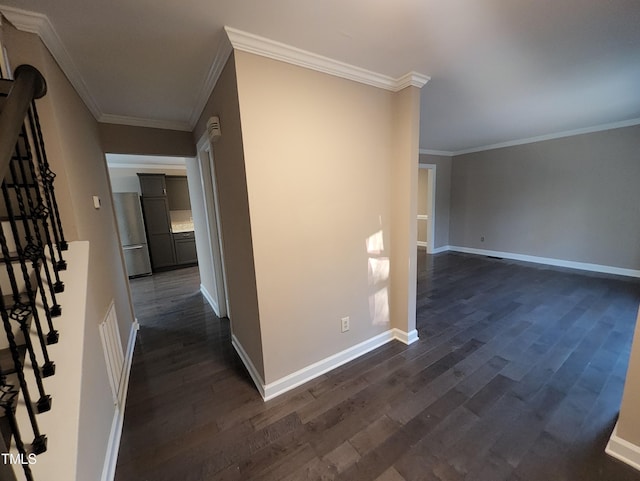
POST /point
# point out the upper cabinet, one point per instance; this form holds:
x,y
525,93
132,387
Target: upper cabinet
x,y
177,192
153,185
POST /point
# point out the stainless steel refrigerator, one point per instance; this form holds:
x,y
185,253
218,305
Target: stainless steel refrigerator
x,y
132,233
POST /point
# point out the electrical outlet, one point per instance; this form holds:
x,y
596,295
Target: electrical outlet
x,y
482,239
345,324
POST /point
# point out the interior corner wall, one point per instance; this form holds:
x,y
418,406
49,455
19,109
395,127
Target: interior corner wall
x,y
443,197
574,199
318,156
75,154
229,164
127,139
404,207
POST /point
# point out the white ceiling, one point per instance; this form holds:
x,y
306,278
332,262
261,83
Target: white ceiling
x,y
501,70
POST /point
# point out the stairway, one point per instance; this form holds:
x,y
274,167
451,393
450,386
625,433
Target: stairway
x,y
31,259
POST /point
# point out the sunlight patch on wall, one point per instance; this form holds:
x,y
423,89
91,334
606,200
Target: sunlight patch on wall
x,y
378,278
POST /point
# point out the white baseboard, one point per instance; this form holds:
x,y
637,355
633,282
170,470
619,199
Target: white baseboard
x,y
210,300
421,243
316,369
246,360
440,249
306,374
550,261
623,450
405,337
113,447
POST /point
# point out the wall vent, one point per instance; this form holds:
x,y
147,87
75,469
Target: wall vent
x,y
113,354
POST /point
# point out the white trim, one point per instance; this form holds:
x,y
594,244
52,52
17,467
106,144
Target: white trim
x,y
431,188
422,244
540,138
423,217
209,298
623,450
39,24
113,447
310,372
147,166
327,364
440,249
209,184
248,42
550,261
246,360
443,153
405,337
141,122
219,61
557,135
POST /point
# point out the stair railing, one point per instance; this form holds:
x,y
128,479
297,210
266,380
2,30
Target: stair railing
x,y
31,258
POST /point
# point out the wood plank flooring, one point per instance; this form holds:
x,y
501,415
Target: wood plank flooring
x,y
518,375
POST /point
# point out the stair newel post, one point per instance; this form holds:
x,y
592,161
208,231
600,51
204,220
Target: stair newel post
x,y
21,312
47,177
39,444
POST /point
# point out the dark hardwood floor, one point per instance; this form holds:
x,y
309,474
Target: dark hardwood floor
x,y
518,375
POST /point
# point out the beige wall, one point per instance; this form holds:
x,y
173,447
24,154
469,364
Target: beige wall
x,y
74,150
629,420
443,194
229,161
573,198
319,154
126,139
404,207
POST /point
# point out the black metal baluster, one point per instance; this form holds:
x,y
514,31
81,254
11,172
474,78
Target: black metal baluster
x,y
34,255
39,444
35,252
20,313
45,177
48,177
40,212
8,395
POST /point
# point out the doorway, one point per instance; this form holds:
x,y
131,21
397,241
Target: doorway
x,y
212,267
426,206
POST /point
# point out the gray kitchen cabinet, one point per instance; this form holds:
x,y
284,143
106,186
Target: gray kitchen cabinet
x,y
185,247
178,192
156,216
153,185
155,208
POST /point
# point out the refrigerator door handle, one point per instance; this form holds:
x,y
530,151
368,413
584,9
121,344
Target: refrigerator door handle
x,y
128,248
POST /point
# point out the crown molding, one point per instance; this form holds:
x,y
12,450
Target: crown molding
x,y
411,79
140,122
248,42
219,61
39,24
558,135
444,153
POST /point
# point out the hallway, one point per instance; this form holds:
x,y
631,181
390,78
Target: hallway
x,y
517,375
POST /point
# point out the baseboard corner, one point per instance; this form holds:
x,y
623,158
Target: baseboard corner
x,y
405,337
623,450
246,360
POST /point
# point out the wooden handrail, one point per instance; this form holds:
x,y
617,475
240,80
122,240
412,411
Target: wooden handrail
x,y
29,84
